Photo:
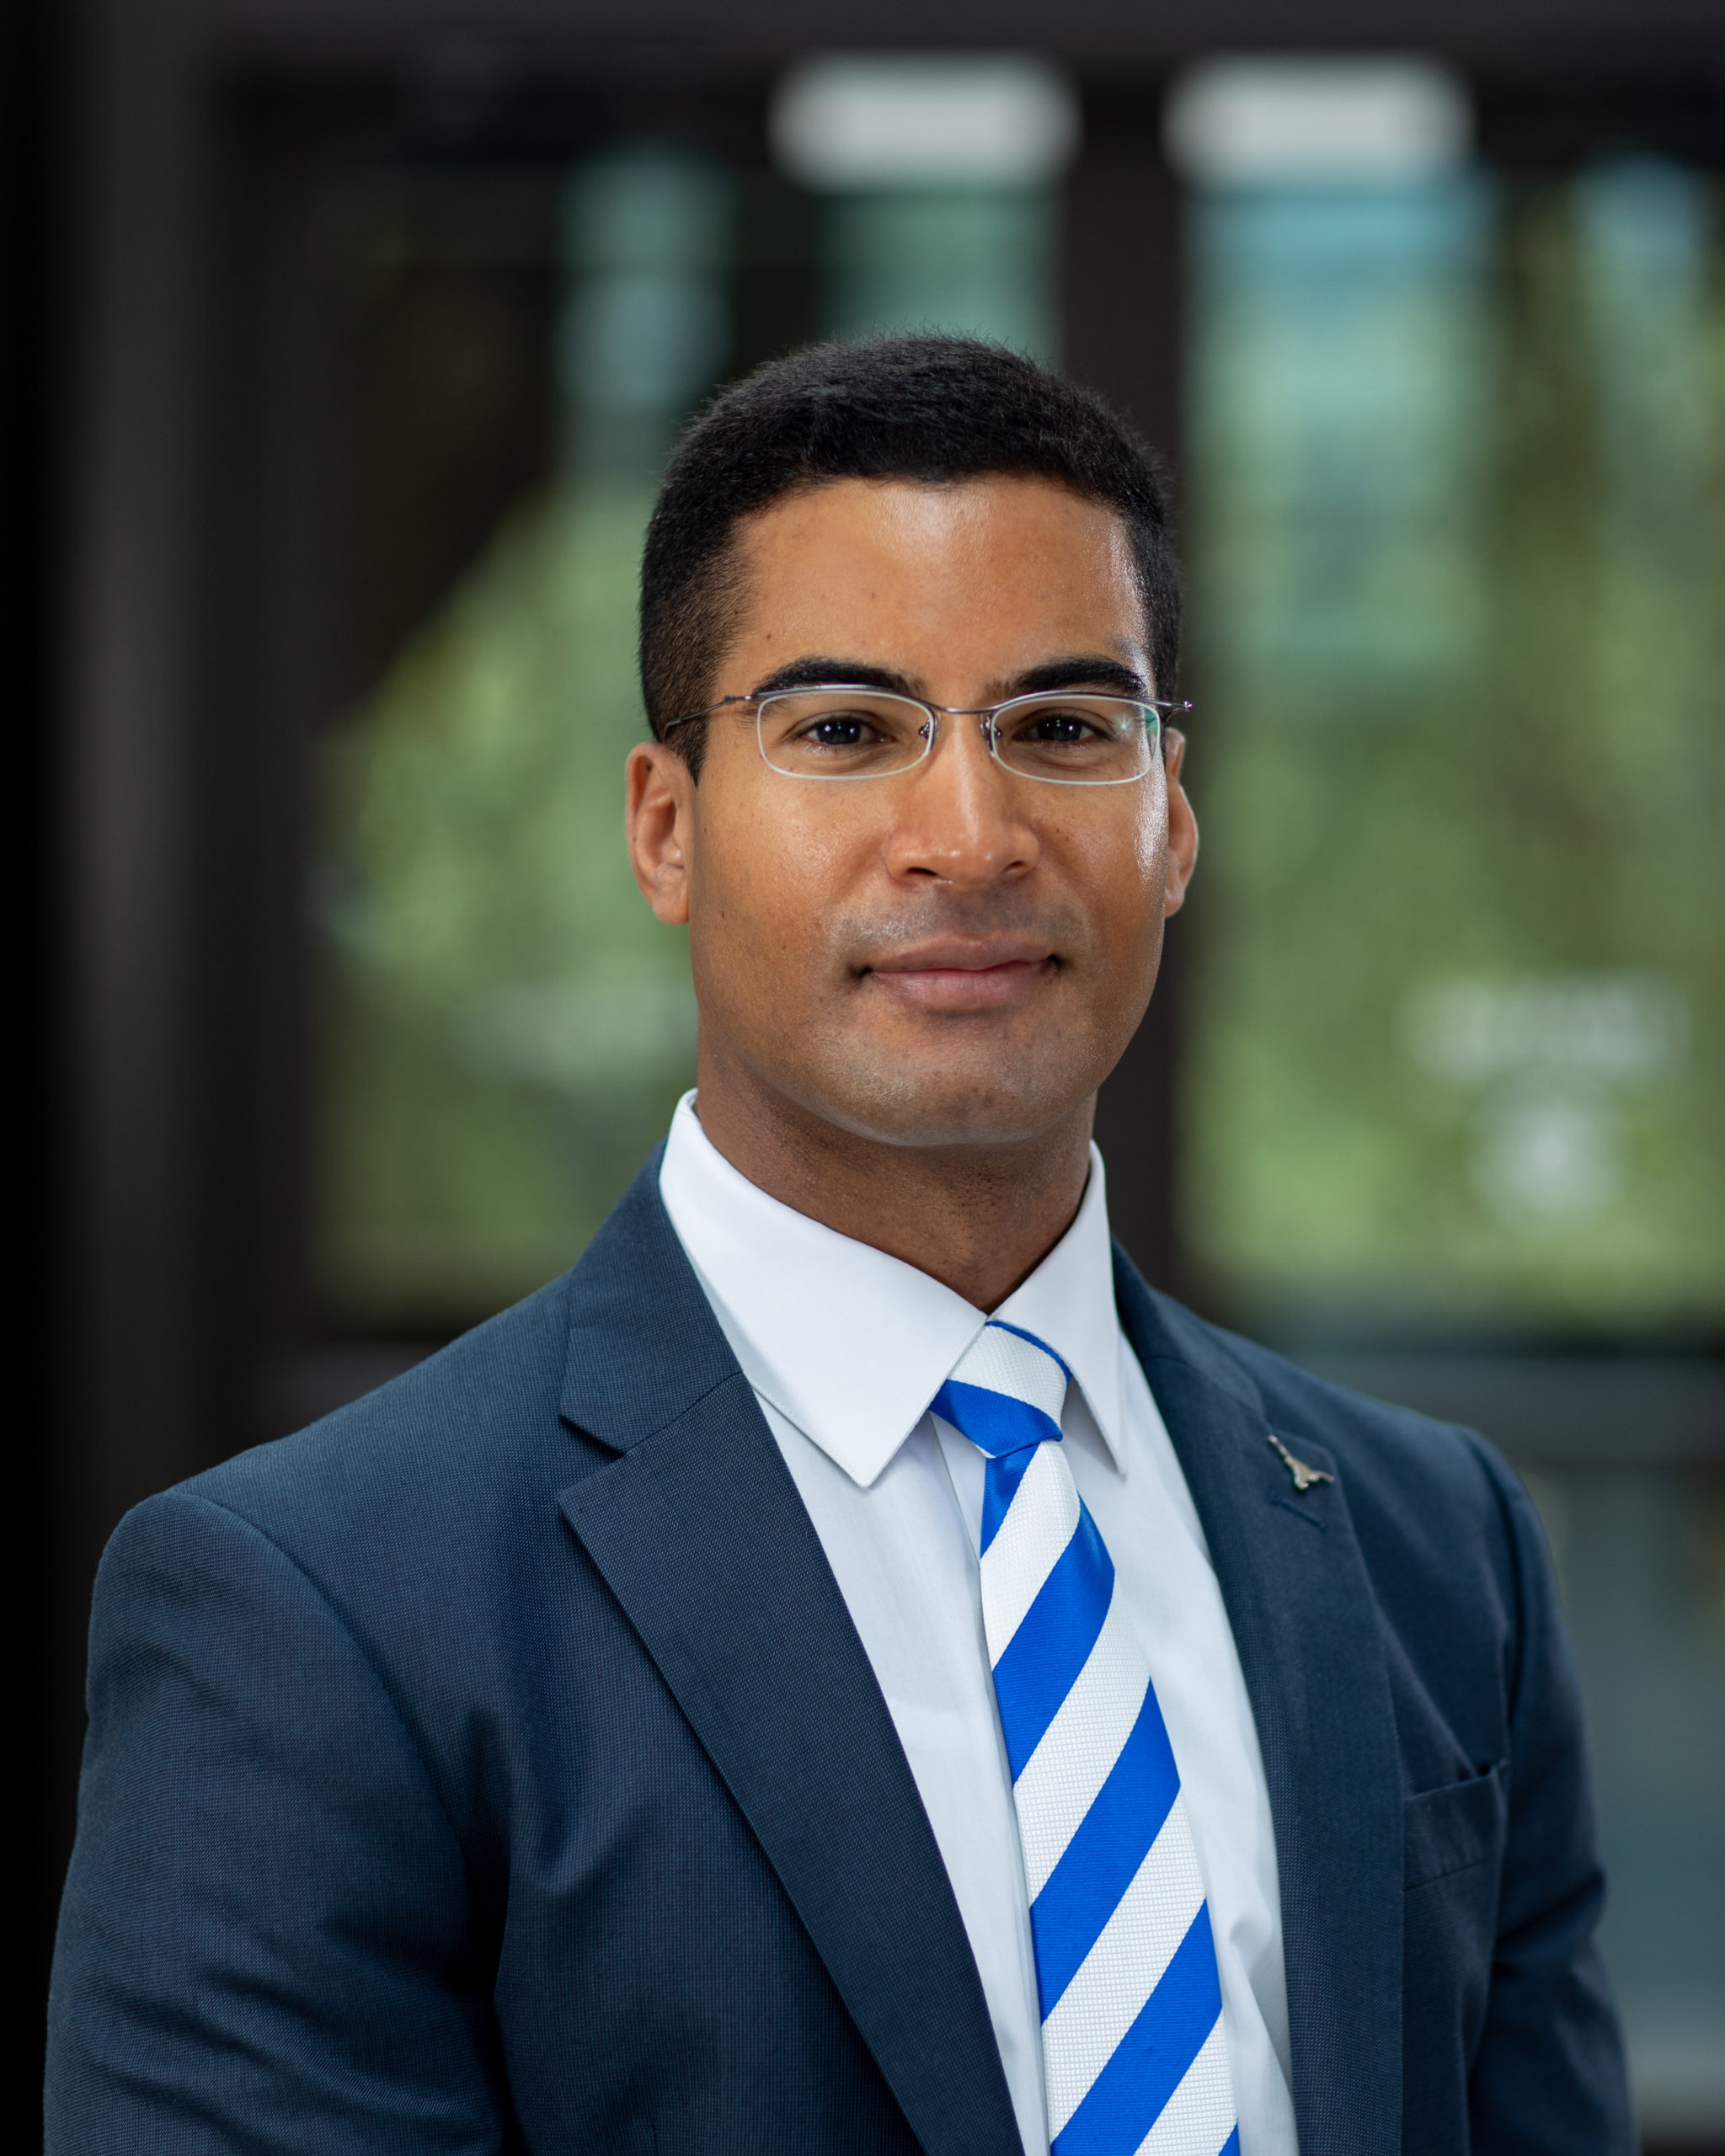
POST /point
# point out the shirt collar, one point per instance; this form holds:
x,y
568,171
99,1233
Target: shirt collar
x,y
850,1344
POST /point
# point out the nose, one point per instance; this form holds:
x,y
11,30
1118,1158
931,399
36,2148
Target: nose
x,y
960,818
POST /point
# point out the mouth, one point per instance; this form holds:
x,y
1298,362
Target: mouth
x,y
964,974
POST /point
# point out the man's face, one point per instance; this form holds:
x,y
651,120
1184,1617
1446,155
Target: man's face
x,y
956,954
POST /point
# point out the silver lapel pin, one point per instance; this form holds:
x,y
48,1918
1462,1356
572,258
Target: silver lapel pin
x,y
1304,1477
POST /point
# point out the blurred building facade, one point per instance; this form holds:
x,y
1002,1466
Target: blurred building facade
x,y
372,325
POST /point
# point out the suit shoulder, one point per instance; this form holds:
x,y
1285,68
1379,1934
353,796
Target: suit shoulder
x,y
1360,1425
468,1427
1404,1472
1449,1539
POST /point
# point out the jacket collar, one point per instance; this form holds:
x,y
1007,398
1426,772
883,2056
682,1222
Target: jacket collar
x,y
643,1345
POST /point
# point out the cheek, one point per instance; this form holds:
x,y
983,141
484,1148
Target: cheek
x,y
765,882
1121,867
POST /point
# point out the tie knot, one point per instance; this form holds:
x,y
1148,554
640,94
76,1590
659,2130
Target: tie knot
x,y
1006,1391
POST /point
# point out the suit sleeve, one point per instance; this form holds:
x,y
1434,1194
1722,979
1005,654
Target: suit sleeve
x,y
1548,2079
266,1943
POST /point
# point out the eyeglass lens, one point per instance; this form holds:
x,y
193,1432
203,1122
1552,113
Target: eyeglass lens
x,y
1072,740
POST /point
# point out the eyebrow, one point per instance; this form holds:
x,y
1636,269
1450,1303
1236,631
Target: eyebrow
x,y
1084,670
1081,670
814,671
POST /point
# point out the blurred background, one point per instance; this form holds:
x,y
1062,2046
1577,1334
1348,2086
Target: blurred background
x,y
349,338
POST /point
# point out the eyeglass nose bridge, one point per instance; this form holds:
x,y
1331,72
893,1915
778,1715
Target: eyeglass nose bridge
x,y
988,724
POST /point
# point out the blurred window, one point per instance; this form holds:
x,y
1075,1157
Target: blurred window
x,y
505,1026
1457,1044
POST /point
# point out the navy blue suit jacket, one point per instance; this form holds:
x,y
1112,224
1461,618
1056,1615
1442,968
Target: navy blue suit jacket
x,y
495,1766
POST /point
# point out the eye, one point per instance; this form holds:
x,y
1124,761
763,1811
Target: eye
x,y
1060,724
844,729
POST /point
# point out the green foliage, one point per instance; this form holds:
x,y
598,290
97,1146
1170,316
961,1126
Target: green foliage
x,y
507,1026
1461,766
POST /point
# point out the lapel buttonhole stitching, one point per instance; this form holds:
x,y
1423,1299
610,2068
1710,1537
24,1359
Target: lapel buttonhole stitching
x,y
1303,1513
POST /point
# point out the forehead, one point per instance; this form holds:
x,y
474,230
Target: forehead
x,y
1022,565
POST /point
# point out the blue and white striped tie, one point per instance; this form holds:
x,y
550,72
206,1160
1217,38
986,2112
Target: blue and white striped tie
x,y
1134,2052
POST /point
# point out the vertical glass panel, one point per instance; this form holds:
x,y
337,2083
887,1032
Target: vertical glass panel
x,y
506,1027
1459,1026
978,264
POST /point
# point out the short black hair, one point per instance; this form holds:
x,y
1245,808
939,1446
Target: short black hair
x,y
924,407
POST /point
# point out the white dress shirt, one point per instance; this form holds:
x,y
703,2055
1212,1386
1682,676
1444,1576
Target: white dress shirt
x,y
846,1347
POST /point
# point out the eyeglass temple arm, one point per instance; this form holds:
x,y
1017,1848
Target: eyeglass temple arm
x,y
688,717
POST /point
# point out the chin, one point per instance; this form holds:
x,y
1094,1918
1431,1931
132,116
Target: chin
x,y
896,1104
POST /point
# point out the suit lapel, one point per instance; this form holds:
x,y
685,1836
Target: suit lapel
x,y
699,1532
1305,1622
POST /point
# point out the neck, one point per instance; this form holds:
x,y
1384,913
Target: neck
x,y
978,1218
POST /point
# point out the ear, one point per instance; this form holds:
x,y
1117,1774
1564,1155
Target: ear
x,y
1183,824
658,816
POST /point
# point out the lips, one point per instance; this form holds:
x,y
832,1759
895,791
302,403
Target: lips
x,y
964,974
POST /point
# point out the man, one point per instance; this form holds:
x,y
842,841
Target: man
x,y
850,1667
